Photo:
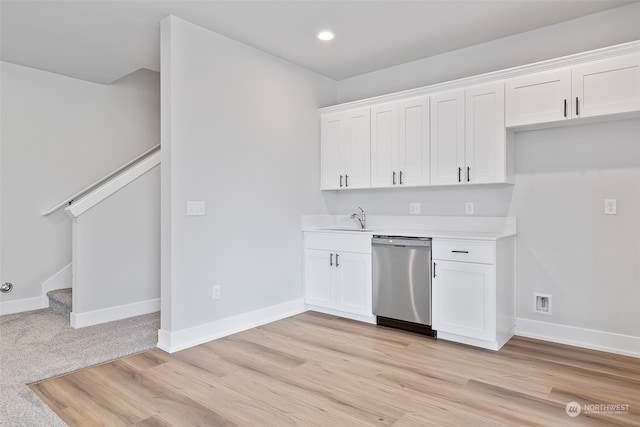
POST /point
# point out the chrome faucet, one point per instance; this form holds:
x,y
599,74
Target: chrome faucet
x,y
362,219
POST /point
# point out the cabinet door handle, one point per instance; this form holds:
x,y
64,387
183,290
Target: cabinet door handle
x,y
330,260
468,174
577,107
434,269
459,172
394,177
346,182
565,108
460,252
400,177
340,181
337,264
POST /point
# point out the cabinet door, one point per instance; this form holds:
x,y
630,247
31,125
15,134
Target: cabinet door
x,y
606,87
464,299
384,145
538,98
413,142
485,144
356,148
331,136
353,283
447,137
318,269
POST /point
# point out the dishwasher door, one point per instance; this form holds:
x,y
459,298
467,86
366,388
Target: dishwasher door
x,y
402,278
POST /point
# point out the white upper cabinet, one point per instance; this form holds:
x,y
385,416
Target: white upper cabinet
x,y
400,143
345,149
596,88
486,146
468,138
609,86
538,98
447,137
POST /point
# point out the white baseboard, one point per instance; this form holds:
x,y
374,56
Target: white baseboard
x,y
90,318
627,345
20,305
185,338
360,318
61,280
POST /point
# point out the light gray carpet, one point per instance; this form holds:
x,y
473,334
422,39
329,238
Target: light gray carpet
x,y
40,344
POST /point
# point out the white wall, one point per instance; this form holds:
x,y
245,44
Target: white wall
x,y
567,247
59,135
603,29
116,268
240,131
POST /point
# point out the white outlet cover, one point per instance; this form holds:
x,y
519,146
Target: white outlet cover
x,y
611,207
469,208
195,208
414,208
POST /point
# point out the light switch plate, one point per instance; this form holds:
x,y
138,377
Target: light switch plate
x,y
610,207
414,208
195,208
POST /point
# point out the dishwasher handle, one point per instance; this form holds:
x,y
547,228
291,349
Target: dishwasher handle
x,y
401,241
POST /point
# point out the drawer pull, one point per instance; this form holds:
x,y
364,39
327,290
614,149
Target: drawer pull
x,y
460,252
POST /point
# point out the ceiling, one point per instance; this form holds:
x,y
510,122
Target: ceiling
x,y
104,40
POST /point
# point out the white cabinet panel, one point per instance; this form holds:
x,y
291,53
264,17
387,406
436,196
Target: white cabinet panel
x,y
474,291
537,98
485,136
400,143
413,145
318,277
606,87
468,137
464,299
345,149
332,127
384,145
336,277
353,283
447,137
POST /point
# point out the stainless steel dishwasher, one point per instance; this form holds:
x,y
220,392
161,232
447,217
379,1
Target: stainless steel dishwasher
x,y
402,282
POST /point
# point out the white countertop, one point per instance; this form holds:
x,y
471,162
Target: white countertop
x,y
469,235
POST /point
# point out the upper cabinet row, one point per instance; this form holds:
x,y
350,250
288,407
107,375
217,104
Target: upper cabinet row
x,y
455,137
596,88
462,136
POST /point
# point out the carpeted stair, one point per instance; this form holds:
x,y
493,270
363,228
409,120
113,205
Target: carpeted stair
x,y
60,300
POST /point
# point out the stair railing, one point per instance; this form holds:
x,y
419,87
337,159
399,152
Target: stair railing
x,y
69,200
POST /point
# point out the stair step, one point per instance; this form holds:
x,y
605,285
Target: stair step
x,y
60,300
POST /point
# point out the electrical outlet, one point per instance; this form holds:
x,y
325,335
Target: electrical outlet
x,y
414,208
217,292
610,207
542,304
469,208
195,208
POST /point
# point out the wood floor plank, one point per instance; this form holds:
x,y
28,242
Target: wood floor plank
x,y
319,370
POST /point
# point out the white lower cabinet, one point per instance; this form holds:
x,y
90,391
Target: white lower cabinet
x,y
338,273
474,291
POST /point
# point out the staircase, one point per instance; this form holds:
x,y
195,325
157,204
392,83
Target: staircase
x,y
60,300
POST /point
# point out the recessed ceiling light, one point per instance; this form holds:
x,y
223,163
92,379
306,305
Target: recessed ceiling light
x,y
326,35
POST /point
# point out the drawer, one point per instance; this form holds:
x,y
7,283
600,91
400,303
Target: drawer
x,y
338,242
478,251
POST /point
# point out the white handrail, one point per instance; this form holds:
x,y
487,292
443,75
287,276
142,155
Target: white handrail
x,y
68,201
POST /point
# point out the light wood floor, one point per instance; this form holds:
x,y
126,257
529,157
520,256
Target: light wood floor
x,y
318,370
